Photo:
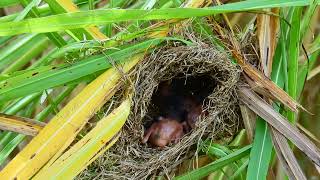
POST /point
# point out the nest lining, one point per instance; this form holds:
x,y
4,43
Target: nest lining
x,y
128,158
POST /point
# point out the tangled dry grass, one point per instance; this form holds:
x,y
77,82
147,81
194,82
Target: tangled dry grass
x,y
129,158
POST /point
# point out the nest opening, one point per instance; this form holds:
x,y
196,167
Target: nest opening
x,y
201,70
181,99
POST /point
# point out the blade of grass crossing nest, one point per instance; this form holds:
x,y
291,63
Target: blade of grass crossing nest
x,y
21,125
77,157
268,85
63,128
163,27
277,121
286,156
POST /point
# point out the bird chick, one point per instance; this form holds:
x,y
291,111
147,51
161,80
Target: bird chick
x,y
193,109
163,132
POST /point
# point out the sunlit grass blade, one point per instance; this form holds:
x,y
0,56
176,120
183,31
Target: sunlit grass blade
x,y
63,128
78,156
216,165
98,17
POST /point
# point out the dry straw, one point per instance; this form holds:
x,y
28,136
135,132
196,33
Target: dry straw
x,y
128,158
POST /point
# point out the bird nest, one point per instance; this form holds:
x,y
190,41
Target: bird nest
x,y
129,158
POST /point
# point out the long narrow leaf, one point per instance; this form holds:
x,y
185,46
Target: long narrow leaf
x,y
99,17
216,165
35,81
281,124
19,124
63,128
294,47
75,159
260,154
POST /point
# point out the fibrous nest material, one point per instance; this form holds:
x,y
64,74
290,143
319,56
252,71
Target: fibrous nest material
x,y
129,158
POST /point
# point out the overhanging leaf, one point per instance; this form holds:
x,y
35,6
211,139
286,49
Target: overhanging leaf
x,y
98,17
35,81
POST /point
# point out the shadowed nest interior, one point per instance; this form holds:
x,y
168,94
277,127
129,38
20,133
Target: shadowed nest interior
x,y
129,158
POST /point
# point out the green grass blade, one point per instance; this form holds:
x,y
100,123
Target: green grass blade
x,y
27,9
49,109
91,4
216,150
62,22
7,51
216,165
293,48
53,36
307,18
78,34
260,154
6,137
20,104
5,3
240,170
43,11
305,68
4,40
11,140
9,147
34,81
24,55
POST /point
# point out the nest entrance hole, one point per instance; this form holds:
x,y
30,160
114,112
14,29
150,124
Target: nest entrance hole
x,y
169,99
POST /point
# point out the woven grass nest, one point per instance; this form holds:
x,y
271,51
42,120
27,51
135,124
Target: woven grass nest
x,y
129,158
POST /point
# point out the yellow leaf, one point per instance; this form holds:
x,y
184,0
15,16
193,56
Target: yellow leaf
x,y
62,129
77,157
20,124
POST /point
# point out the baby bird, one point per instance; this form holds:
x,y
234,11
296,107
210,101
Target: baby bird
x,y
163,132
193,109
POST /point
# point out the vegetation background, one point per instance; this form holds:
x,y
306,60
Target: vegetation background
x,y
50,50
